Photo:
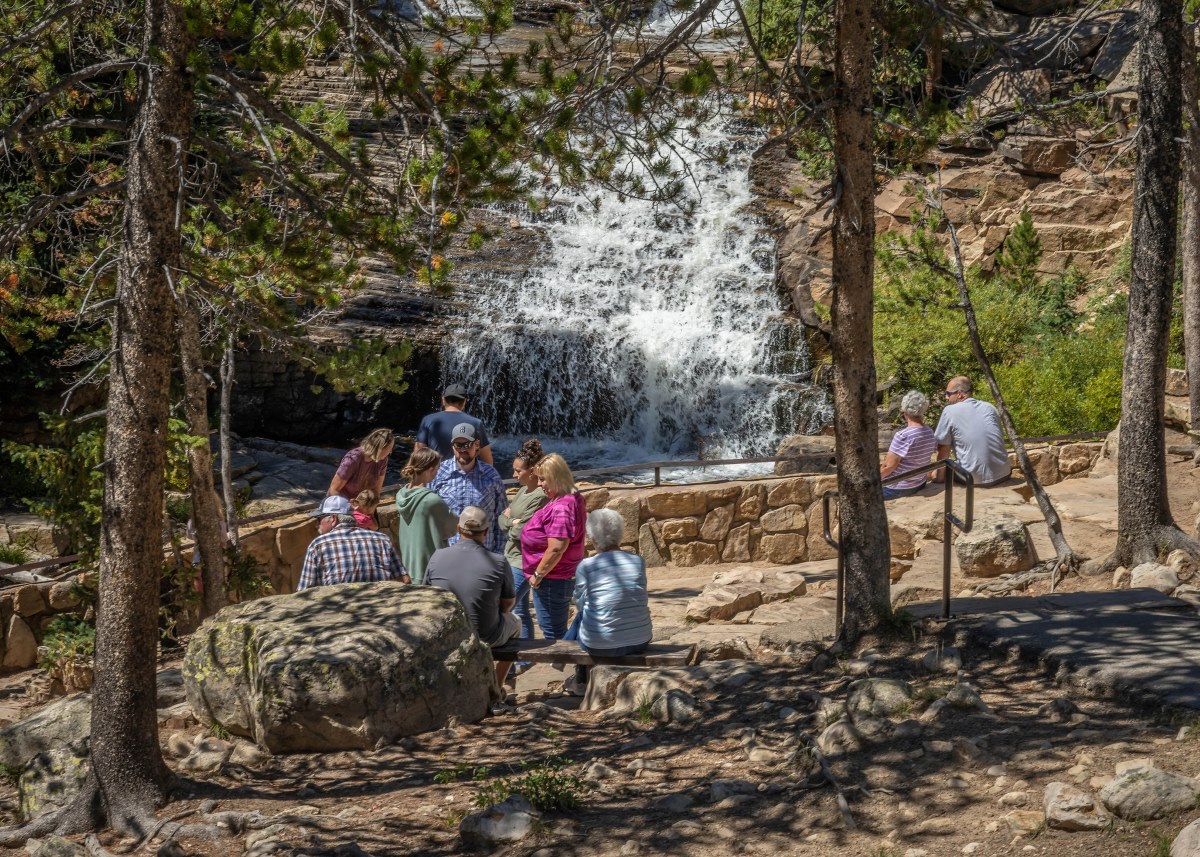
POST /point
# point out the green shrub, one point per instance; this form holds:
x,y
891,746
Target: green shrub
x,y
545,786
67,638
14,554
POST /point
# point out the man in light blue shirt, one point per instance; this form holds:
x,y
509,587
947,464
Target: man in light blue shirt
x,y
971,430
464,481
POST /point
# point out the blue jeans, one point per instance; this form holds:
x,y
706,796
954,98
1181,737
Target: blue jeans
x,y
521,608
552,602
890,493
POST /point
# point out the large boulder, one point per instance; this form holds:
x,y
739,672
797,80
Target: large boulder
x,y
52,779
996,545
339,667
802,453
1187,843
1144,793
54,726
740,589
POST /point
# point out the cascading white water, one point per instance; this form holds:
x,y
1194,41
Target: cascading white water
x,y
642,325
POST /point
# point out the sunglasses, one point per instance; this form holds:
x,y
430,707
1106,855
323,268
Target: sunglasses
x,y
463,444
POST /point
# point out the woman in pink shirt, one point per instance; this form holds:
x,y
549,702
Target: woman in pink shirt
x,y
552,545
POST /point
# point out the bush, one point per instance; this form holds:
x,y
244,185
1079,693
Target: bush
x,y
67,638
545,786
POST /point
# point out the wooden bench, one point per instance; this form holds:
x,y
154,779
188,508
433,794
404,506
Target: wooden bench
x,y
569,652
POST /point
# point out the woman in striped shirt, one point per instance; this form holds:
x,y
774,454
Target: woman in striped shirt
x,y
912,447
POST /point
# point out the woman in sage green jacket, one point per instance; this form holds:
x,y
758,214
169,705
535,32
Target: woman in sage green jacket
x,y
520,509
425,522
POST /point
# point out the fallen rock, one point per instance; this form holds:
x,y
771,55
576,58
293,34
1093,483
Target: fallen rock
x,y
878,697
840,737
59,723
1069,808
674,706
1023,822
52,779
735,649
508,821
339,667
1147,793
1154,576
1187,843
996,545
719,790
741,589
55,846
948,660
675,803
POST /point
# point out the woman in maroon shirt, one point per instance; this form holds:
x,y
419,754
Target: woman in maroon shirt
x,y
364,466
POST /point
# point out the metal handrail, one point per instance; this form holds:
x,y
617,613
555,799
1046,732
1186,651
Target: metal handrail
x,y
949,520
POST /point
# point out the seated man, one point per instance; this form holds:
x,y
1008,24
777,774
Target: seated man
x,y
344,552
971,429
481,580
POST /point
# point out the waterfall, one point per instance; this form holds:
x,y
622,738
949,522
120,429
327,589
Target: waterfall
x,y
644,326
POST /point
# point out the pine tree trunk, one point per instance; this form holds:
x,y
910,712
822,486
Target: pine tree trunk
x,y
206,509
861,517
1145,527
227,492
1190,237
127,764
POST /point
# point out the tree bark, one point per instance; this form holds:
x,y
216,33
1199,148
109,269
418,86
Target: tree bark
x,y
206,509
861,517
1190,239
230,497
126,762
1145,527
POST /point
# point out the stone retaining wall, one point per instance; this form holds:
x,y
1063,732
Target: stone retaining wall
x,y
774,520
25,611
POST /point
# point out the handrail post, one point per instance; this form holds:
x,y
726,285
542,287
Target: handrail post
x,y
839,603
657,476
947,529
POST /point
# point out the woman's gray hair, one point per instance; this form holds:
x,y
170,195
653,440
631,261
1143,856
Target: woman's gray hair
x,y
914,404
605,527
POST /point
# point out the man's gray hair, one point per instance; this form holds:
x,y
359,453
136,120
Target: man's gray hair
x,y
605,527
346,519
915,404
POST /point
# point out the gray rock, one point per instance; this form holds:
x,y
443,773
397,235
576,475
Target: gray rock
x,y
1154,576
734,649
674,706
56,846
996,545
339,667
1069,808
943,660
678,802
878,697
1122,37
1058,710
508,821
1187,843
597,771
719,790
840,737
59,723
962,695
1148,793
52,779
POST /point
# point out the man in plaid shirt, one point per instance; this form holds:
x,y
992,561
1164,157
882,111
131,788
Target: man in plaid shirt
x,y
345,552
465,481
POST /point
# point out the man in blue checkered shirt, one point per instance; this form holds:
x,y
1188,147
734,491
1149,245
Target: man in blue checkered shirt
x,y
344,552
464,481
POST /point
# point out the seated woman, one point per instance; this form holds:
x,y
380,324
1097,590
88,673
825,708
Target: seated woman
x,y
911,449
610,595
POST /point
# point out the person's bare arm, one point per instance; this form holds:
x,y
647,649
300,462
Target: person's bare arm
x,y
336,485
506,604
889,465
555,548
485,455
943,452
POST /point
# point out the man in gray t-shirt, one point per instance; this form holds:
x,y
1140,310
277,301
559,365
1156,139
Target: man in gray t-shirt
x,y
971,430
481,580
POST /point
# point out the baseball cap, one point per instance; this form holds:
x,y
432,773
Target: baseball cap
x,y
454,391
463,431
473,520
334,505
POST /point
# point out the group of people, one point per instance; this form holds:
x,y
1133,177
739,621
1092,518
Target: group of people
x,y
968,427
459,530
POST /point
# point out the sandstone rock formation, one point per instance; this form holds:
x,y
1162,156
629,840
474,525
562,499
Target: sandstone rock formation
x,y
338,667
995,546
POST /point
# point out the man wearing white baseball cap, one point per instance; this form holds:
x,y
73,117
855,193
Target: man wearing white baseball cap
x,y
344,552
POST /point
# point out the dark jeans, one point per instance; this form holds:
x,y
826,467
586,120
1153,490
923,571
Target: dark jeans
x,y
890,493
521,608
581,671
